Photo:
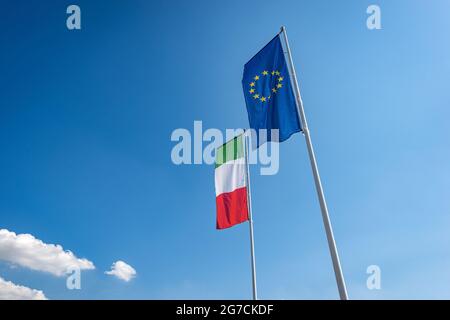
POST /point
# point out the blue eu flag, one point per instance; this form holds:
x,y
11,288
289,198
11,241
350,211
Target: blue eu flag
x,y
268,93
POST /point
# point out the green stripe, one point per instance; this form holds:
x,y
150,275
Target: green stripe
x,y
232,150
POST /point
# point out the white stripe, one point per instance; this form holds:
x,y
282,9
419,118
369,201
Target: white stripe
x,y
230,176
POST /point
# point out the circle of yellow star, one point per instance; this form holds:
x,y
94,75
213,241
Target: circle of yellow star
x,y
278,85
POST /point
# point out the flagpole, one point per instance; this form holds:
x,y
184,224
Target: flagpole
x,y
250,217
323,205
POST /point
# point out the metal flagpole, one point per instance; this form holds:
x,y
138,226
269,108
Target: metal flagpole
x,y
250,217
323,205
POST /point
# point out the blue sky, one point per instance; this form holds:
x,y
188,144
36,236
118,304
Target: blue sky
x,y
85,124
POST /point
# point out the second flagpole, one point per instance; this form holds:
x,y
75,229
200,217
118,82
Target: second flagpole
x,y
250,217
323,205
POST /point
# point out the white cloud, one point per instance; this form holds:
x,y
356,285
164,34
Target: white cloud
x,y
11,291
122,271
27,251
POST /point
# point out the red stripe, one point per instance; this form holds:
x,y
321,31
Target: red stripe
x,y
231,208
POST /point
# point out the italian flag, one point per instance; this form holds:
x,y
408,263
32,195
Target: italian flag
x,y
230,180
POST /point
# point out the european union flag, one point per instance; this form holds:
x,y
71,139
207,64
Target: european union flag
x,y
268,93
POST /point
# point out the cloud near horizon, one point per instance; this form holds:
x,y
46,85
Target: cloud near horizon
x,y
11,291
26,251
122,271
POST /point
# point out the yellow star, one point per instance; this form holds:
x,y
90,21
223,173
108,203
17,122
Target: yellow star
x,y
256,78
268,98
277,73
256,96
265,73
280,79
263,99
252,90
279,85
274,90
273,72
252,84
